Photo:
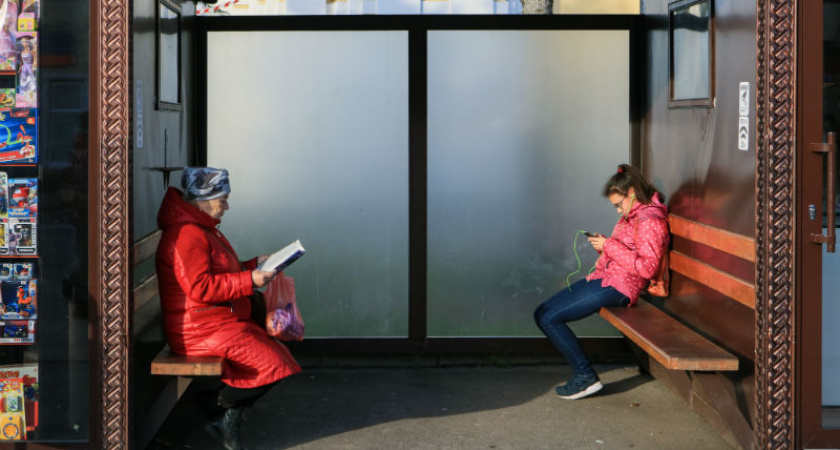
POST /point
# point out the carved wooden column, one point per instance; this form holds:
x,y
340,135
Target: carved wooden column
x,y
109,183
775,224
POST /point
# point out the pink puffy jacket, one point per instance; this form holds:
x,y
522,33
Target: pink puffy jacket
x,y
632,253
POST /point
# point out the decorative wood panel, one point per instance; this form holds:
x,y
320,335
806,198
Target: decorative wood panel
x,y
775,228
110,107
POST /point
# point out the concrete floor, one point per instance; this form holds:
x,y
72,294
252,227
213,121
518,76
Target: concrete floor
x,y
505,408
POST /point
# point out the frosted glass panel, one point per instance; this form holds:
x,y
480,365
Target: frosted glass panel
x,y
315,135
524,129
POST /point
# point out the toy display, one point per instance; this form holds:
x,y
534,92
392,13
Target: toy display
x,y
23,271
12,414
23,197
26,95
21,237
18,299
17,332
31,390
4,196
8,16
30,10
19,185
18,134
7,91
8,53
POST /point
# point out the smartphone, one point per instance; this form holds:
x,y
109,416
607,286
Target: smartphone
x,y
591,233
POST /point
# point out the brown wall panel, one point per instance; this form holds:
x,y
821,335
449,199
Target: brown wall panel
x,y
692,156
167,139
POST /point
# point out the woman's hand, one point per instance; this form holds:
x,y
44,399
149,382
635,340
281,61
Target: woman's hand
x,y
598,242
262,277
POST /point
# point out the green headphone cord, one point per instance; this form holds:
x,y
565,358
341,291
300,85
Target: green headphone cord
x,y
577,258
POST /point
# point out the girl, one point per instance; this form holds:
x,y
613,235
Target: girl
x,y
628,260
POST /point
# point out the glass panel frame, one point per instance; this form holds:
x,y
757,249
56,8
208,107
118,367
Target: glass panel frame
x,y
418,341
337,157
515,169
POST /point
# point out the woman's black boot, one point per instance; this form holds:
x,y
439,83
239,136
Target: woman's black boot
x,y
225,427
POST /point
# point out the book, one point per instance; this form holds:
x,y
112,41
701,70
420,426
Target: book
x,y
283,258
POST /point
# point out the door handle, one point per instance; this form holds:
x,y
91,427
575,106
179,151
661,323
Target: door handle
x,y
829,149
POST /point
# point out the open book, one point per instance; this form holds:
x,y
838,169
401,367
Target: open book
x,y
283,258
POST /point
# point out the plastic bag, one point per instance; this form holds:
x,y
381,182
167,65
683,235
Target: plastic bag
x,y
283,320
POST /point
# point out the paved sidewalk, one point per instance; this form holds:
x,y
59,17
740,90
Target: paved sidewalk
x,y
504,408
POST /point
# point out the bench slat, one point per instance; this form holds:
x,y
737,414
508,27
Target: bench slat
x,y
669,342
717,238
145,291
168,363
729,285
145,248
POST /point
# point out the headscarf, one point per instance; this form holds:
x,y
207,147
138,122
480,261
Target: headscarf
x,y
204,183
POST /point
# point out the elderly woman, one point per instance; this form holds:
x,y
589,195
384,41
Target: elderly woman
x,y
205,294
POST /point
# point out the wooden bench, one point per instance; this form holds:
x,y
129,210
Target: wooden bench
x,y
180,368
664,338
168,363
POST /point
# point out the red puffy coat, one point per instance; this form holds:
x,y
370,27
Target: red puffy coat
x,y
204,297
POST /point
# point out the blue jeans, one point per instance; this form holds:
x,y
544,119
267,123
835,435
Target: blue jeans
x,y
584,298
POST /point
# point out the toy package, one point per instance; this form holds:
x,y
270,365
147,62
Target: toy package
x,y
4,195
4,248
26,94
8,16
31,390
18,135
8,53
17,332
30,11
22,271
7,90
12,414
18,299
23,197
21,237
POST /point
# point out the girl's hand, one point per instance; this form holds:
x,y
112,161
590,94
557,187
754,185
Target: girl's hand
x,y
597,242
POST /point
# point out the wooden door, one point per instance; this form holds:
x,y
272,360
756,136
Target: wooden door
x,y
818,268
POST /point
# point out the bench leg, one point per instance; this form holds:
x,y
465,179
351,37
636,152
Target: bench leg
x,y
161,408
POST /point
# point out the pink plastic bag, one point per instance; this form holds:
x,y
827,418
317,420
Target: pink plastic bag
x,y
283,320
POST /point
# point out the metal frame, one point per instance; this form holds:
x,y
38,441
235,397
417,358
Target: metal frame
x,y
417,341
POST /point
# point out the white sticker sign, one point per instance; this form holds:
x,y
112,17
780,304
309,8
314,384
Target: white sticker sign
x,y
743,133
744,98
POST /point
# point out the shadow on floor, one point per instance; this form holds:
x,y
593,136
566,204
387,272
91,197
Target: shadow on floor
x,y
453,408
